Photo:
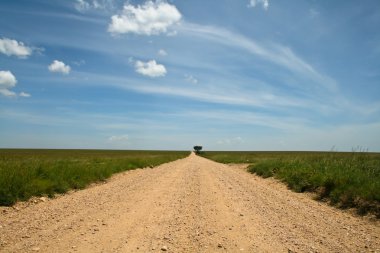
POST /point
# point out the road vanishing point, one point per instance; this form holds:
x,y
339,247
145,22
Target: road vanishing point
x,y
189,205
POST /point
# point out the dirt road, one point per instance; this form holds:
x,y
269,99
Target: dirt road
x,y
190,205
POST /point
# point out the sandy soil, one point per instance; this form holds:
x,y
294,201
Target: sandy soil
x,y
190,205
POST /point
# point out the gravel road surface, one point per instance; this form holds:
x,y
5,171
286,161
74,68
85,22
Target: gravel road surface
x,y
189,205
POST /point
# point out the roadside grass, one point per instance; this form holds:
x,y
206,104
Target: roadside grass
x,y
29,172
347,180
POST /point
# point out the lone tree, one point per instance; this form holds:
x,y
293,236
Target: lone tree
x,y
197,149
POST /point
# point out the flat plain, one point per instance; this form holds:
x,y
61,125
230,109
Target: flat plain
x,y
344,179
189,205
36,172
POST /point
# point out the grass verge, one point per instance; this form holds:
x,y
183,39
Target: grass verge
x,y
26,173
347,180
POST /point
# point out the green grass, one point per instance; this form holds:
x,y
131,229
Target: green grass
x,y
29,172
345,179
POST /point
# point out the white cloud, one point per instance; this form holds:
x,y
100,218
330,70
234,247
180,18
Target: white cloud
x,y
7,81
272,52
252,119
59,67
118,138
24,94
13,47
82,5
151,18
150,68
254,3
162,52
86,5
191,79
220,96
7,93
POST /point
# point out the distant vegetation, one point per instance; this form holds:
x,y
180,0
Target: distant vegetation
x,y
26,173
345,179
198,149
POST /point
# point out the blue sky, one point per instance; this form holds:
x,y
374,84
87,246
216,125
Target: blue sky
x,y
226,74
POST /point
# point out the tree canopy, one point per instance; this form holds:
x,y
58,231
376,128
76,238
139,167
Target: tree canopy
x,y
197,149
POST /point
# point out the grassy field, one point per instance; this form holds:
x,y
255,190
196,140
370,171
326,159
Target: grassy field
x,y
25,173
345,179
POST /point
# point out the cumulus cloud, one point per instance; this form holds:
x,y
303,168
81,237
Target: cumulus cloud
x,y
162,52
7,81
118,138
59,67
191,79
151,18
150,68
254,3
13,47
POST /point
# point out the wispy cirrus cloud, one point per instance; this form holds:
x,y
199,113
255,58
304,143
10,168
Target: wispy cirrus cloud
x,y
191,79
252,119
119,138
239,96
82,5
227,97
86,5
209,93
162,52
151,18
274,53
233,141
